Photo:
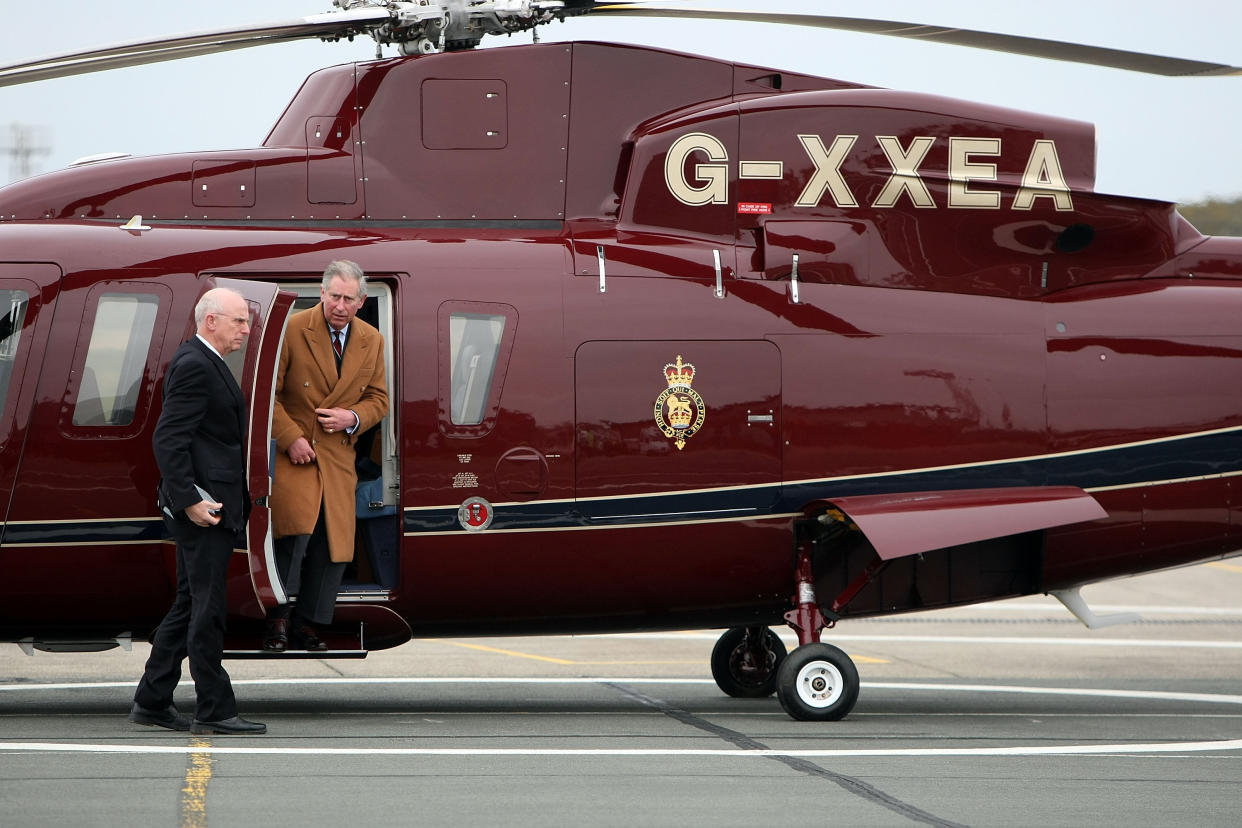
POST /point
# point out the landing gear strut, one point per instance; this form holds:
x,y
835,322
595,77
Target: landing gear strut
x,y
816,682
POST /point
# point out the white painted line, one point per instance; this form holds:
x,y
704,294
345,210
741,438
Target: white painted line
x,y
1162,695
1055,608
1033,750
378,680
788,636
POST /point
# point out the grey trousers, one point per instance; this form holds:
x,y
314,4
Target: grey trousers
x,y
307,570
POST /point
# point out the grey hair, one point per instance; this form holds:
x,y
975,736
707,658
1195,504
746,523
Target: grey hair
x,y
349,271
212,302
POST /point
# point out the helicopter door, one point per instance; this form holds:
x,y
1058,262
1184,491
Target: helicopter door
x,y
252,591
21,287
686,428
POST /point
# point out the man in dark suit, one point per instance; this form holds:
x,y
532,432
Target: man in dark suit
x,y
200,447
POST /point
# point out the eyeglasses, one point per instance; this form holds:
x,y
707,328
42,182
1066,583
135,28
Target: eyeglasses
x,y
236,320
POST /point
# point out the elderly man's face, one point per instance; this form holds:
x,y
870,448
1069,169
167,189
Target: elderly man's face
x,y
227,330
341,301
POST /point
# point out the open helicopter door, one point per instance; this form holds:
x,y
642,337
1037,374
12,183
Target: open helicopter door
x,y
255,588
22,332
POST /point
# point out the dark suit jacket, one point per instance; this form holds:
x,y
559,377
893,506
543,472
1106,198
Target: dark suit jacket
x,y
201,435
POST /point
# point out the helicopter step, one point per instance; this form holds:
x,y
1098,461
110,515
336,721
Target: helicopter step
x,y
295,654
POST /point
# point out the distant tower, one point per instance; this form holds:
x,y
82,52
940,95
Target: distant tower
x,y
23,145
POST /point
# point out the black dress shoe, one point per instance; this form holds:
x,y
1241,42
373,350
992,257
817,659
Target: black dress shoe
x,y
305,638
236,725
168,717
276,635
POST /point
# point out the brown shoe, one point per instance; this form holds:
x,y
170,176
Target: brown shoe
x,y
276,635
304,637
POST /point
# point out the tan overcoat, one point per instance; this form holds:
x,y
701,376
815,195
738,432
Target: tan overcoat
x,y
306,379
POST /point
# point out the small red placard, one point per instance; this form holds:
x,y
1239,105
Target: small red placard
x,y
754,208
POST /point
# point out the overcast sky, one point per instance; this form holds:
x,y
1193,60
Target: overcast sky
x,y
1176,139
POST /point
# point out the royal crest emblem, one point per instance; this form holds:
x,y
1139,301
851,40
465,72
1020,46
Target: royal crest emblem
x,y
679,411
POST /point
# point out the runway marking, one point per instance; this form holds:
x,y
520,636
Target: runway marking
x,y
851,785
1030,605
518,654
965,639
194,792
1162,695
734,753
204,747
515,653
1226,567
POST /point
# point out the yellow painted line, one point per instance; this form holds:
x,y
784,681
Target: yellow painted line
x,y
1226,567
483,648
614,663
515,653
194,792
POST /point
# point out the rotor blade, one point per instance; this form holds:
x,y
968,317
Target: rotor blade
x,y
190,44
1013,44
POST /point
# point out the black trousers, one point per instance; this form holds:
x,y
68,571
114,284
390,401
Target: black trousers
x,y
194,626
307,570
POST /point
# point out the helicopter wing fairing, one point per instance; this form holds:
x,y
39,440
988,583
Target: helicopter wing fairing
x,y
898,525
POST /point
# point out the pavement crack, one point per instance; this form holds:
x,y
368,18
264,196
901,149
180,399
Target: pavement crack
x,y
741,740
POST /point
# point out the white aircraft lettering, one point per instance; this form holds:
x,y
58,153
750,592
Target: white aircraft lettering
x,y
963,169
827,171
905,177
967,173
716,190
1043,179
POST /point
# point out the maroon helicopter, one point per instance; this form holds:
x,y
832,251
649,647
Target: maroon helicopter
x,y
702,344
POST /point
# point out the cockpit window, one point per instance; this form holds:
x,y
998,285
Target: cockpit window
x,y
115,359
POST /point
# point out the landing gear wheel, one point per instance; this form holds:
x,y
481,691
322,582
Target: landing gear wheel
x,y
744,668
817,683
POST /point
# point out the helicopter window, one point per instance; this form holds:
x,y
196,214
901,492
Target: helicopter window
x,y
115,359
13,304
474,345
474,341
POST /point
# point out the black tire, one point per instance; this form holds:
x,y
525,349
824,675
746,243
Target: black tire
x,y
817,683
729,667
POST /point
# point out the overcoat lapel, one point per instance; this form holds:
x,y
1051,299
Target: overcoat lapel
x,y
357,354
320,345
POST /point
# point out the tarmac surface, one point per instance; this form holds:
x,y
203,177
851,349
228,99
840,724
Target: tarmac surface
x,y
1006,714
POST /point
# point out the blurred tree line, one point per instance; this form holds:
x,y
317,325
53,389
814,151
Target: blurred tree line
x,y
1214,218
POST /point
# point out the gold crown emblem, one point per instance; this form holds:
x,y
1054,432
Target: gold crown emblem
x,y
679,373
680,411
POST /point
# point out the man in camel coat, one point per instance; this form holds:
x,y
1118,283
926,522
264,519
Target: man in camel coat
x,y
327,395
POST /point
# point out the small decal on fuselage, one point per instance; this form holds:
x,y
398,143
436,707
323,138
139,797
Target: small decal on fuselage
x,y
475,514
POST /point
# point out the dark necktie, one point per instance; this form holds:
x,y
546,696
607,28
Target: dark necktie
x,y
338,347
